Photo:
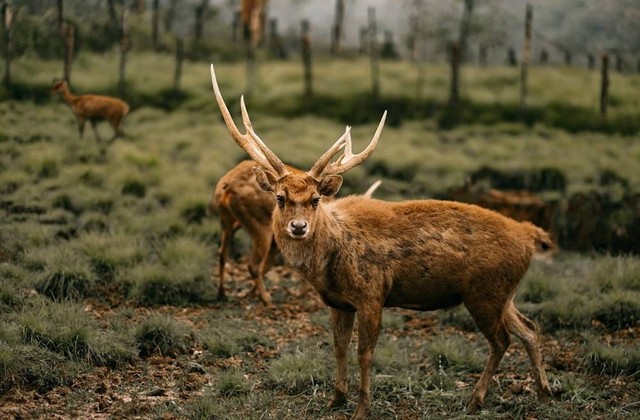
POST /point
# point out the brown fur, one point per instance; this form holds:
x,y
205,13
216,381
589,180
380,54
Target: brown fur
x,y
93,108
239,202
362,255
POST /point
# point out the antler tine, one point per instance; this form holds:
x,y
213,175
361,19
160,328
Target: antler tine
x,y
275,162
242,140
318,168
348,160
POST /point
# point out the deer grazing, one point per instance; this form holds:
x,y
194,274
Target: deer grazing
x,y
362,255
240,202
93,108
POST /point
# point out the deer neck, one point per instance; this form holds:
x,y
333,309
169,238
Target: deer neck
x,y
67,96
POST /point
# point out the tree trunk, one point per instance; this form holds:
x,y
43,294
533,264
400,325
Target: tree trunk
x,y
169,17
60,7
199,24
465,28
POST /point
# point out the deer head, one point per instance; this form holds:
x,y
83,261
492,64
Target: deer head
x,y
297,195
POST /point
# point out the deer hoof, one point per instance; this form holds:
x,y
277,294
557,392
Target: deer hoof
x,y
339,400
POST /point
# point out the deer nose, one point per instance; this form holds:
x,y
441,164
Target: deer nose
x,y
298,227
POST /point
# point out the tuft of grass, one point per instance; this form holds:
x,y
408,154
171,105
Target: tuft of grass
x,y
454,352
160,334
66,273
617,360
229,337
232,383
299,371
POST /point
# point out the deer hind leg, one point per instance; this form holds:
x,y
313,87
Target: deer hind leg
x,y
259,263
526,330
342,329
491,324
226,236
369,323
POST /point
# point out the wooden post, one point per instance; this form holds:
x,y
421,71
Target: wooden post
x,y
591,61
336,33
306,58
373,53
454,92
276,45
604,86
69,45
124,47
7,19
60,17
524,63
364,40
177,76
155,24
512,59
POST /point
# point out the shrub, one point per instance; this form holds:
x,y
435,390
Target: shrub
x,y
232,383
298,371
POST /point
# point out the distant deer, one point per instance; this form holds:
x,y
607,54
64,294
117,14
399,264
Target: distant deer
x,y
365,254
93,108
240,202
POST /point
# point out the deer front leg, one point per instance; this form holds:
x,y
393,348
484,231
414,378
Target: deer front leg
x,y
342,328
369,322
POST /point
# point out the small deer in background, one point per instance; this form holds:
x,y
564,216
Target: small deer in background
x,y
93,108
241,203
362,255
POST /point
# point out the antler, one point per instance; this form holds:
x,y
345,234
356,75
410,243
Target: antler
x,y
347,160
250,142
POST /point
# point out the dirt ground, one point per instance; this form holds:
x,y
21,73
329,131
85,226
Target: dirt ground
x,y
160,381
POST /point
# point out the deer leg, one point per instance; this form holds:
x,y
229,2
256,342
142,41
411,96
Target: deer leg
x,y
491,324
526,330
226,236
81,122
342,329
369,323
260,257
95,130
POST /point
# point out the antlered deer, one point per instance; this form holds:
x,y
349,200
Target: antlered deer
x,y
365,254
241,203
93,108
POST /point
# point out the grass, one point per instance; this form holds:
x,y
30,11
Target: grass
x,y
105,257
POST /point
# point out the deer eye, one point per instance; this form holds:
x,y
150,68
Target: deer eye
x,y
315,201
280,200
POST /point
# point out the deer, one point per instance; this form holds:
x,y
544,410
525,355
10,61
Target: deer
x,y
239,202
362,255
93,108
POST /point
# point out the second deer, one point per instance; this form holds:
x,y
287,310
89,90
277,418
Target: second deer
x,y
94,108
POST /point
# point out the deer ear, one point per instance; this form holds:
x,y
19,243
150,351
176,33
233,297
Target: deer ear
x,y
266,179
330,185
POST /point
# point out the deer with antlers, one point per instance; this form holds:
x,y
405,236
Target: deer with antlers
x,y
240,202
93,108
362,255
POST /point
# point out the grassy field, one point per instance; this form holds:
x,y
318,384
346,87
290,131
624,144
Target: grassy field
x,y
107,307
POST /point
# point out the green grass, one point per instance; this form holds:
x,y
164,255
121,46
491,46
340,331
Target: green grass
x,y
105,257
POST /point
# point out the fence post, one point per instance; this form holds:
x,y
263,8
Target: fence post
x,y
124,47
604,86
306,58
524,64
69,44
177,75
454,92
7,19
155,24
373,53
